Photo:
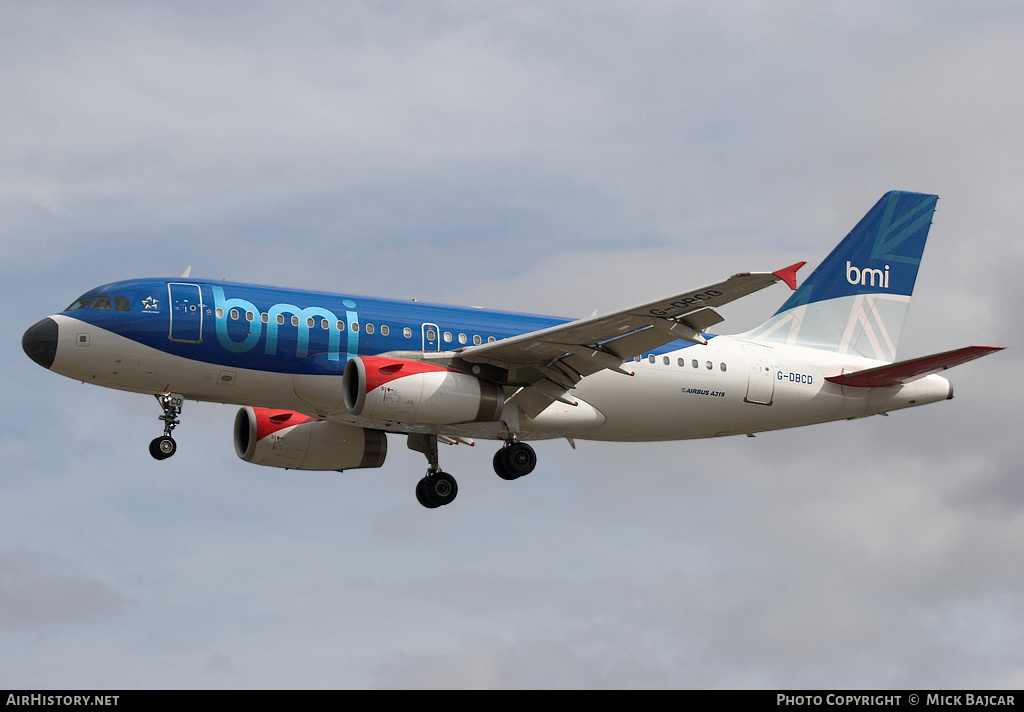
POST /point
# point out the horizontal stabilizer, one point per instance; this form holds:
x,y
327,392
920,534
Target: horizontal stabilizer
x,y
896,374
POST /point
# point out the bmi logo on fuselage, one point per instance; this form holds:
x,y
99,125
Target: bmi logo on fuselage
x,y
867,277
304,319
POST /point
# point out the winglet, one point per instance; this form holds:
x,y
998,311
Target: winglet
x,y
788,274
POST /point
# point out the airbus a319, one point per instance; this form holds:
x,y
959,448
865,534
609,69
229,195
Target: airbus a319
x,y
324,378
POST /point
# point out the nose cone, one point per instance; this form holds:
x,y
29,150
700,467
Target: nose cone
x,y
40,342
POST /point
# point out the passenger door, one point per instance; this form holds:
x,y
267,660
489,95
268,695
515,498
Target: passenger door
x,y
187,306
760,384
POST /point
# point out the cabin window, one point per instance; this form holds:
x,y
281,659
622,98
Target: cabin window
x,y
665,360
651,358
355,327
447,337
384,330
220,313
341,326
295,320
710,365
264,317
324,324
250,317
723,366
234,313
682,362
695,364
477,340
121,304
491,339
369,328
463,339
407,332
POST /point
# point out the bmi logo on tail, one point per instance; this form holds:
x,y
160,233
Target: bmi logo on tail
x,y
866,276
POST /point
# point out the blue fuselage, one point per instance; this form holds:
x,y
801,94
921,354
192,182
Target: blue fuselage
x,y
285,330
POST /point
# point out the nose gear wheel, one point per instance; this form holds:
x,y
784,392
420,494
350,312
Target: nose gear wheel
x,y
164,446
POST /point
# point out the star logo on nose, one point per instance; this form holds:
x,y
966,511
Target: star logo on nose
x,y
150,304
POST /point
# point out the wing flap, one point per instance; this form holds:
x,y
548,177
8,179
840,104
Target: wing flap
x,y
896,374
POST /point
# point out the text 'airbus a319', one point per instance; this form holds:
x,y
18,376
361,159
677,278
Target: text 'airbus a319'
x,y
323,378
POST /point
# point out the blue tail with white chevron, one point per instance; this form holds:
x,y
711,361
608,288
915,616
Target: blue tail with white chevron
x,y
857,299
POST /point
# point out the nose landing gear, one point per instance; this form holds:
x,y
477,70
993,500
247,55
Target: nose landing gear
x,y
164,446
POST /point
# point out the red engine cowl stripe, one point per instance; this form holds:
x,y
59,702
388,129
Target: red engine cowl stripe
x,y
380,371
270,420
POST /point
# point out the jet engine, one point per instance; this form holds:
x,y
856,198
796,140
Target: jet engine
x,y
416,392
282,438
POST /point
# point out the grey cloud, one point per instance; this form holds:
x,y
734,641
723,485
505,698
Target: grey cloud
x,y
35,591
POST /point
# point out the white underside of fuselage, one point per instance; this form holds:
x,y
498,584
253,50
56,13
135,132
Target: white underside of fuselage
x,y
680,395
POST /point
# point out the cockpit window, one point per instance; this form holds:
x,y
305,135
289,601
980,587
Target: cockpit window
x,y
81,302
103,302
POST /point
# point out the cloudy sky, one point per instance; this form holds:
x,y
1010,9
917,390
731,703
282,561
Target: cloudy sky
x,y
557,157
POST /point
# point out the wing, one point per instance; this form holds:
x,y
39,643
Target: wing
x,y
548,362
895,374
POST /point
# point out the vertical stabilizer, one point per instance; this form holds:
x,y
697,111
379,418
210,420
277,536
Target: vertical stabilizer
x,y
857,299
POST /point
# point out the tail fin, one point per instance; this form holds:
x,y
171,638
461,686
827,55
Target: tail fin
x,y
857,299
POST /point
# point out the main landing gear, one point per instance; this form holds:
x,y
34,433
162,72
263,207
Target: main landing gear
x,y
514,460
436,489
164,446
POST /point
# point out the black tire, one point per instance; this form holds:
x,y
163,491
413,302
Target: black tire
x,y
421,494
520,459
439,488
501,466
163,447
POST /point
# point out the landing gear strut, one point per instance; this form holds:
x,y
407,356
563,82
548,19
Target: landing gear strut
x,y
164,446
514,460
437,488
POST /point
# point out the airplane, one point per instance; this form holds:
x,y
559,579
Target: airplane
x,y
324,378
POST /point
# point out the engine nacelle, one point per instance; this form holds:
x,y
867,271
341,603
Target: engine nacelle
x,y
281,438
415,392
